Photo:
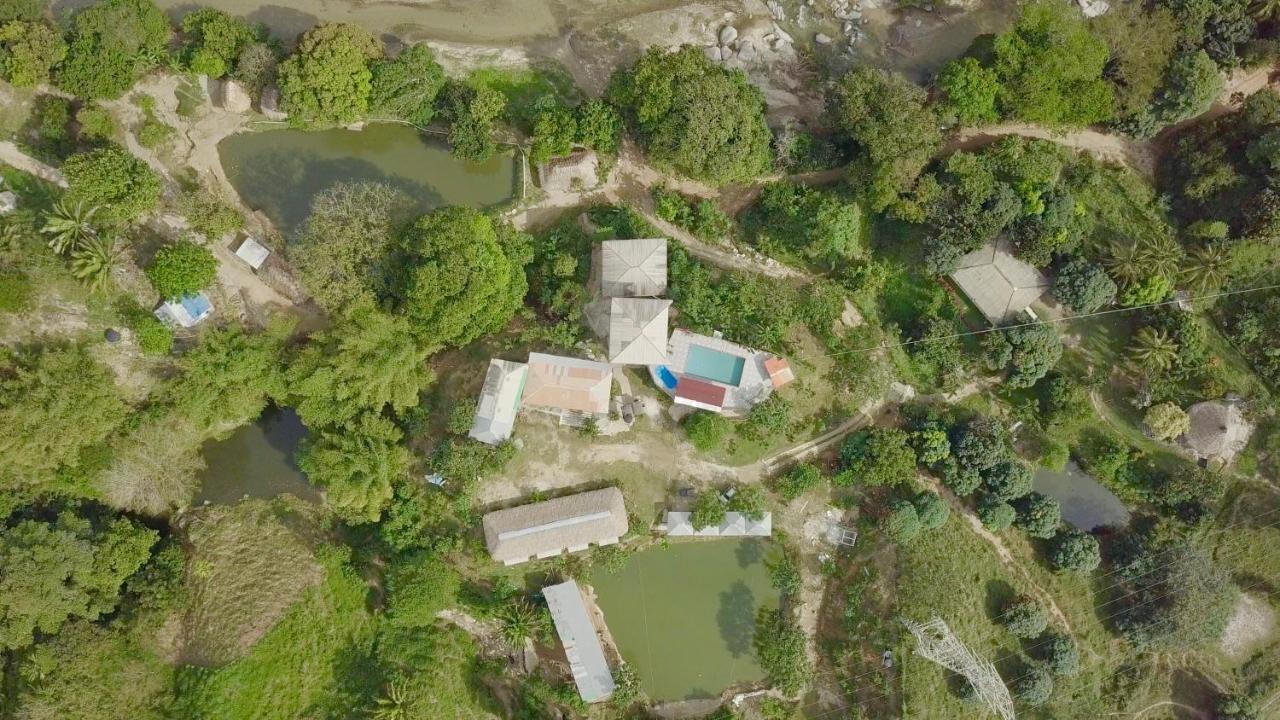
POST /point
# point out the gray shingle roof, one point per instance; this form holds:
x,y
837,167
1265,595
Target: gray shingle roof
x,y
638,331
998,283
633,268
550,527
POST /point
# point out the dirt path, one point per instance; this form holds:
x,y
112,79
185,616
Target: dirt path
x,y
1170,703
1104,146
10,154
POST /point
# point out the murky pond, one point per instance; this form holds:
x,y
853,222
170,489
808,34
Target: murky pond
x,y
280,171
257,460
685,615
1086,503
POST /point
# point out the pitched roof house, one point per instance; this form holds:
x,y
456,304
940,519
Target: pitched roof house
x,y
1219,431
638,331
544,529
581,643
999,284
567,386
499,401
633,268
187,311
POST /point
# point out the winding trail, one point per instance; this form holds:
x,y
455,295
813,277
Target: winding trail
x,y
12,155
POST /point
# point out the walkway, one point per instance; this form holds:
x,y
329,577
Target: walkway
x,y
10,154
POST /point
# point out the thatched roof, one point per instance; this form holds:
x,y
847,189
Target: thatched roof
x,y
549,528
581,644
998,283
638,331
633,268
1219,430
575,171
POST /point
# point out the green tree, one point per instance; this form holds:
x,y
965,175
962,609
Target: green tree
x,y
1061,655
21,10
599,126
979,443
1034,686
709,509
55,405
749,500
932,445
785,576
780,646
182,268
226,379
108,177
704,120
900,522
342,251
212,40
94,262
405,87
1208,268
1152,351
932,510
877,456
769,418
1050,68
68,225
111,44
1192,82
72,568
894,129
996,514
797,481
1166,421
1083,286
357,464
326,81
419,585
257,67
1009,480
1027,351
462,276
707,431
1074,551
366,361
554,132
1024,617
472,113
1039,515
29,51
970,92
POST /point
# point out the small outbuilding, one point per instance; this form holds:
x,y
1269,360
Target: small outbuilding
x,y
185,312
233,97
999,284
575,171
269,104
499,401
8,202
1219,431
252,252
545,529
638,331
581,643
680,524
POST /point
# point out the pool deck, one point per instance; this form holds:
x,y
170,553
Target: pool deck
x,y
754,385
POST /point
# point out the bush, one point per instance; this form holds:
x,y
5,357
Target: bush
x,y
901,523
1039,515
932,509
709,510
1061,655
16,290
1024,617
706,430
122,186
1035,686
181,269
210,216
256,68
996,514
1166,421
154,337
96,123
1074,551
798,480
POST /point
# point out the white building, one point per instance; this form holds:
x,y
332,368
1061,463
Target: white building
x,y
499,401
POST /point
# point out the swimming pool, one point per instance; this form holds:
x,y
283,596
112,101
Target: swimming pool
x,y
714,365
667,379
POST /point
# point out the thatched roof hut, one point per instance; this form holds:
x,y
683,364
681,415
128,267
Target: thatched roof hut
x,y
545,529
1219,430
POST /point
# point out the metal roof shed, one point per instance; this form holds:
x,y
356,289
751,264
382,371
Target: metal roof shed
x,y
633,268
499,401
638,331
253,252
581,644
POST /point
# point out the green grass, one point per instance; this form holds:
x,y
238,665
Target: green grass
x,y
313,663
523,87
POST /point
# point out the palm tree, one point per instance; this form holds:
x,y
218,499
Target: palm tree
x,y
1208,268
392,705
1152,349
1125,261
520,621
1159,255
95,259
1264,10
68,226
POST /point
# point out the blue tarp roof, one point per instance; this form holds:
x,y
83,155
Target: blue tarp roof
x,y
195,305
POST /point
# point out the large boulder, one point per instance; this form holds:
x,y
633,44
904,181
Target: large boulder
x,y
232,97
269,104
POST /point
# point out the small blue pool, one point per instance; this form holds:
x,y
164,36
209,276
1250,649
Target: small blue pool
x,y
714,365
666,377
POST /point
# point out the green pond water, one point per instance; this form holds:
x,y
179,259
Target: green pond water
x,y
685,615
256,460
1086,503
280,171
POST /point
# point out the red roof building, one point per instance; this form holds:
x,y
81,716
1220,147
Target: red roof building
x,y
699,394
779,371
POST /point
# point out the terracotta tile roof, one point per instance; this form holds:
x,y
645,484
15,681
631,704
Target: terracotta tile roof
x,y
699,392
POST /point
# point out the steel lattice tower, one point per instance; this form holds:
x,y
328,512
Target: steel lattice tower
x,y
936,642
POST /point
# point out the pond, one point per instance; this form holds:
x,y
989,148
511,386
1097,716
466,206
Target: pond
x,y
280,171
1086,503
684,616
256,460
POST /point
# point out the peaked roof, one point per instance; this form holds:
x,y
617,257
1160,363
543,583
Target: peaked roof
x,y
499,401
1219,430
1000,284
633,268
581,644
779,371
186,311
638,331
549,527
563,383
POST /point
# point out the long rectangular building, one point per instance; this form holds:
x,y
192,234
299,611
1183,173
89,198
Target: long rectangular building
x,y
545,529
581,643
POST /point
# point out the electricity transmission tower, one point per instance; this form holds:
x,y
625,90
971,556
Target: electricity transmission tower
x,y
936,642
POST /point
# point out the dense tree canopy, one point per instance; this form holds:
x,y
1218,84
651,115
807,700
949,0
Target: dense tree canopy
x,y
969,92
182,268
111,44
327,81
822,226
894,128
357,464
213,40
702,119
1083,286
472,112
405,87
878,456
29,51
1027,352
110,178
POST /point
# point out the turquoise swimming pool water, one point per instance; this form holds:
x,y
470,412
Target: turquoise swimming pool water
x,y
714,365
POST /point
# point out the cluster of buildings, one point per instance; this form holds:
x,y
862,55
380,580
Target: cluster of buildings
x,y
190,310
631,314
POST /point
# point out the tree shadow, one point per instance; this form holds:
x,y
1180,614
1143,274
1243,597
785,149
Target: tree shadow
x,y
737,618
749,552
284,23
999,593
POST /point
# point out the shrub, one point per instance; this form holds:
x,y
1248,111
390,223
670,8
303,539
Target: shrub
x,y
1035,686
901,523
181,269
996,514
16,290
1009,480
1024,617
210,216
96,123
784,574
798,481
154,337
111,178
1074,551
932,509
706,430
750,501
1166,421
1061,655
709,510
